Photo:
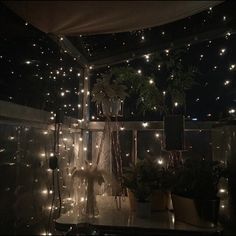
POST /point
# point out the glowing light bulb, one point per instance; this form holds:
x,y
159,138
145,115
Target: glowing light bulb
x,y
160,161
167,52
157,135
139,71
145,124
82,199
44,192
232,67
222,190
222,51
151,81
226,82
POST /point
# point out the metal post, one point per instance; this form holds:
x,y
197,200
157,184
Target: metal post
x,y
83,148
135,146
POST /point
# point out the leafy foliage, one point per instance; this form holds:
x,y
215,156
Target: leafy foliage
x,y
180,78
177,81
106,89
145,177
148,95
198,178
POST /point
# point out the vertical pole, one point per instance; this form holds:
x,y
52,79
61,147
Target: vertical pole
x,y
135,146
83,150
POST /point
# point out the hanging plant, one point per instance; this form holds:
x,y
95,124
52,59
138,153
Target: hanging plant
x,y
109,94
149,96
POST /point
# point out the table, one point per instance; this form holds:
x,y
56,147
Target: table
x,y
121,221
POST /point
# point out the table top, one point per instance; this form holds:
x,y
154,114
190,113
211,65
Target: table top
x,y
110,216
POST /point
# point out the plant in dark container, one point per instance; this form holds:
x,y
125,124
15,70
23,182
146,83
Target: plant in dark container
x,y
108,94
194,192
147,184
161,195
139,180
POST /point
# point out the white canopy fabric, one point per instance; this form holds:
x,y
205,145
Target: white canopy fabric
x,y
73,18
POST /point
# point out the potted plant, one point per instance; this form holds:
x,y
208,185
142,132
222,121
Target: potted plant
x,y
166,93
160,197
194,192
139,180
108,94
149,183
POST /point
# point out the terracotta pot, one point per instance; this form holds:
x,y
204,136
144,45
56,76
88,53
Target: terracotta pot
x,y
201,213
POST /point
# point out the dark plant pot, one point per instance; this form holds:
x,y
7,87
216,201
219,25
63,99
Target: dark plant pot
x,y
201,213
159,200
143,209
132,200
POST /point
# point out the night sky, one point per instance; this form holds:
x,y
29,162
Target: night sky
x,y
35,72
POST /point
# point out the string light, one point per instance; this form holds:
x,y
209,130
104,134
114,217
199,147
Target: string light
x,y
222,51
232,67
145,124
151,81
167,52
147,57
227,82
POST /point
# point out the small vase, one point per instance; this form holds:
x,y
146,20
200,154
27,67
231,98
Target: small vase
x,y
106,107
116,107
91,204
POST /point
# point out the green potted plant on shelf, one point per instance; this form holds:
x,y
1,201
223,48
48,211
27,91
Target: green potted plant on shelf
x,y
161,196
148,184
139,181
108,94
164,93
194,191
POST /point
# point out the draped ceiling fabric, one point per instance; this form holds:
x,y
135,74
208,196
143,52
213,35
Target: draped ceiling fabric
x,y
74,18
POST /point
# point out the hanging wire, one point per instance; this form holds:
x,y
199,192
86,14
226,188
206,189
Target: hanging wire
x,y
52,204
